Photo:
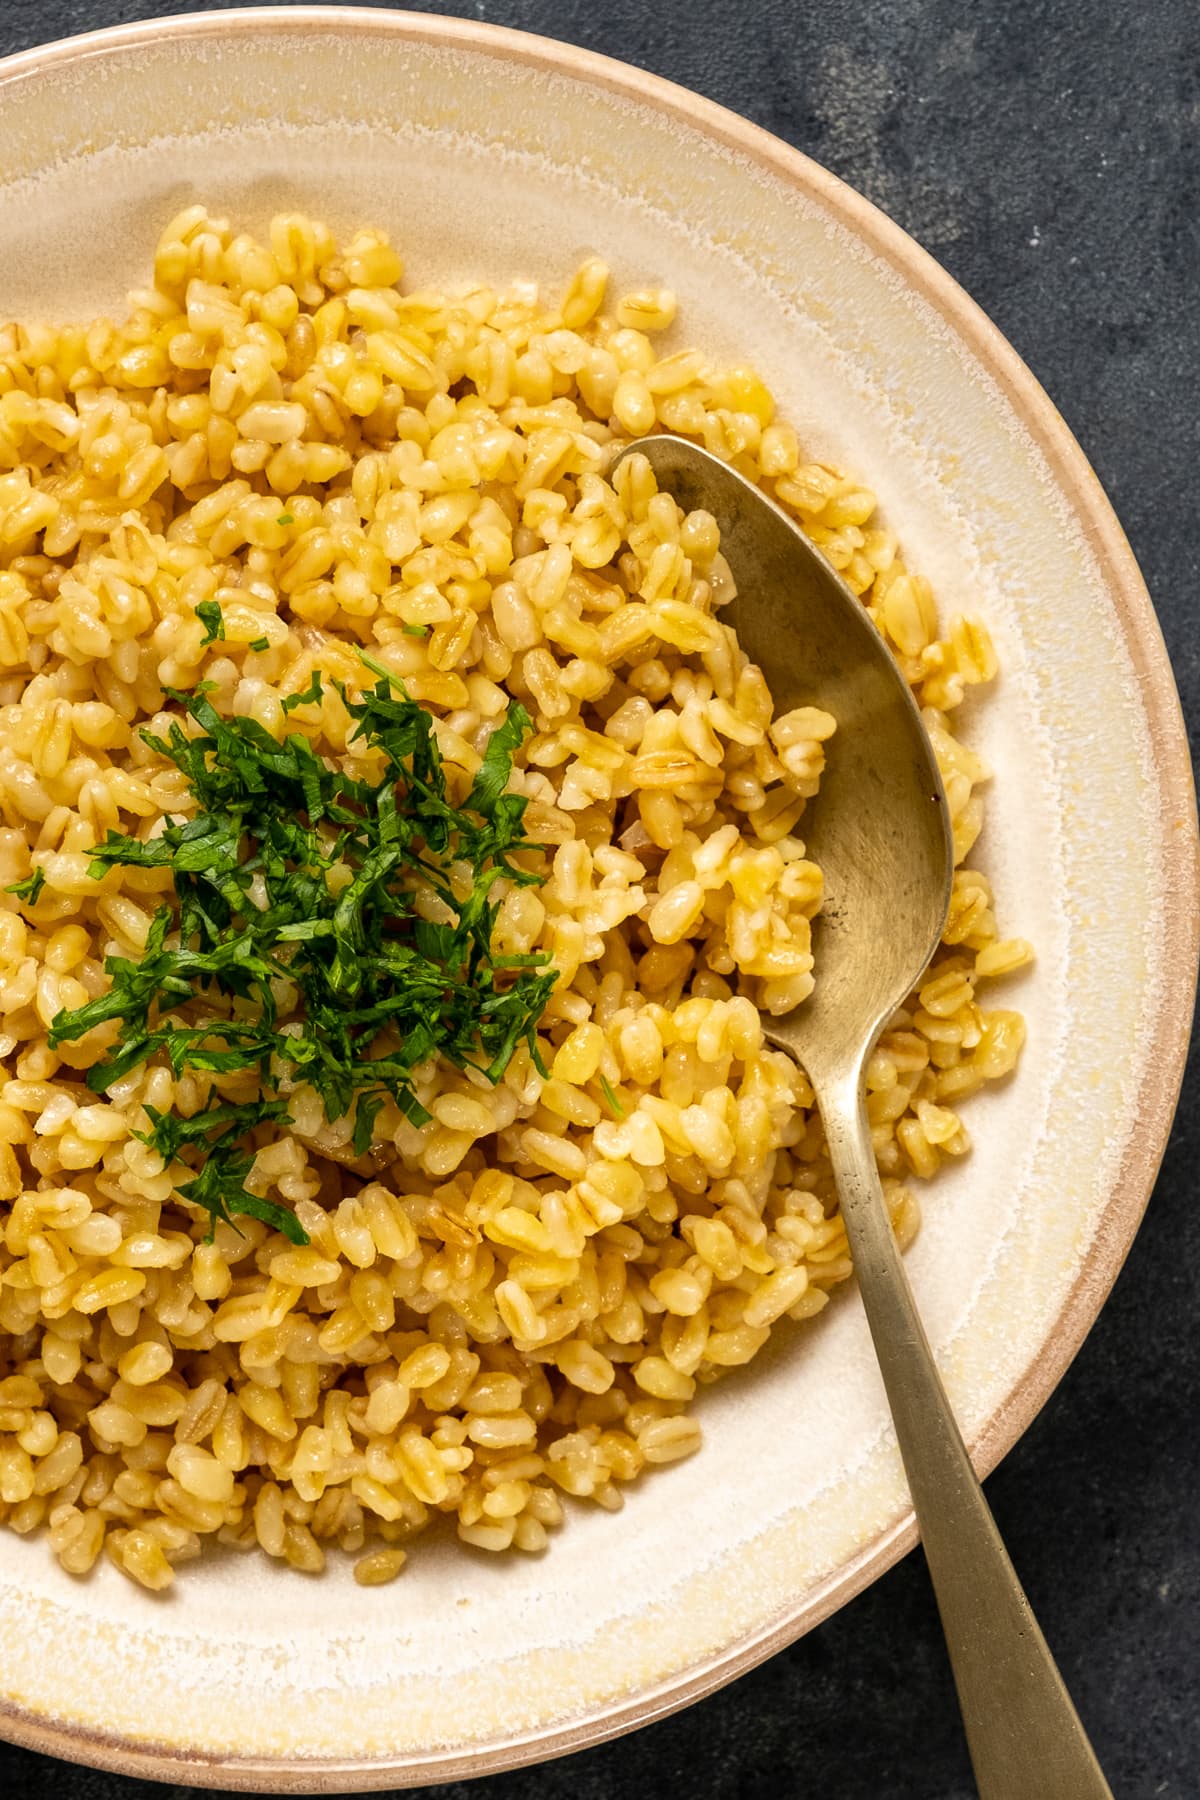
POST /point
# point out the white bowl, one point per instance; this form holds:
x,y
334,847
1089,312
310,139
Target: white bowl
x,y
489,152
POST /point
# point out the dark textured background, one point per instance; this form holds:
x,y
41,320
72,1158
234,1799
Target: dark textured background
x,y
1049,155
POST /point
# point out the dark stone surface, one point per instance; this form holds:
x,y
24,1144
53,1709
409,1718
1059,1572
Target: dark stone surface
x,y
1049,156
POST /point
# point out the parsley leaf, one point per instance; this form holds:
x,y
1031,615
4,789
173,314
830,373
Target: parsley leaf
x,y
365,1114
213,620
614,1105
29,889
496,766
309,697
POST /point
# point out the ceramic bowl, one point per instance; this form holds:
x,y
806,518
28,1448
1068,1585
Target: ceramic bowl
x,y
489,152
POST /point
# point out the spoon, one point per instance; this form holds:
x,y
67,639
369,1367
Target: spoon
x,y
880,832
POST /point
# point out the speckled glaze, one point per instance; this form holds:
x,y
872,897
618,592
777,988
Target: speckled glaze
x,y
491,153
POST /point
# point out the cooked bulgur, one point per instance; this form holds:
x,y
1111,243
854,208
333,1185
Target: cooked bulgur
x,y
521,1297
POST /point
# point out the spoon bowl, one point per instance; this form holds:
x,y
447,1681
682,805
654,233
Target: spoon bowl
x,y
880,831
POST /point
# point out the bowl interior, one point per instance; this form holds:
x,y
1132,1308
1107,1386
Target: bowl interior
x,y
487,156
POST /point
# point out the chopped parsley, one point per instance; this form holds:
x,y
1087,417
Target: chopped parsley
x,y
29,889
259,644
415,630
285,519
614,1105
310,697
213,621
299,948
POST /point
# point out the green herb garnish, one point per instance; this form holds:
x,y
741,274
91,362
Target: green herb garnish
x,y
415,630
614,1105
29,889
342,872
213,621
285,519
311,695
259,644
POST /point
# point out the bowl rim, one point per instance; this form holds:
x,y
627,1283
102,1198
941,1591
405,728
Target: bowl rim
x,y
1164,1063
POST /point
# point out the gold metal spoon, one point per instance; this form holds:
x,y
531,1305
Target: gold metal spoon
x,y
880,831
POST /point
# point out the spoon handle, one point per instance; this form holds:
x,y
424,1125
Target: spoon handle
x,y
1024,1734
